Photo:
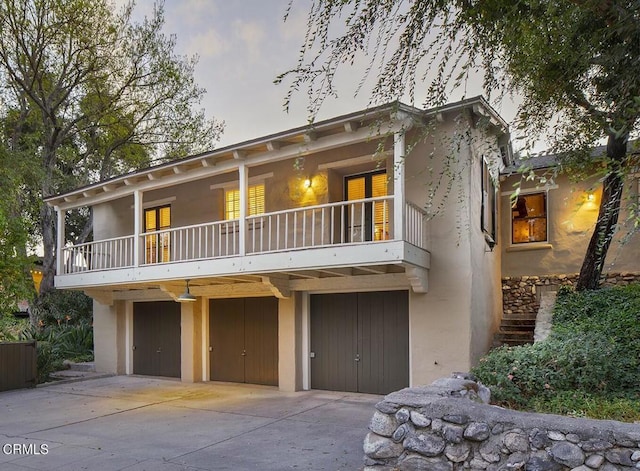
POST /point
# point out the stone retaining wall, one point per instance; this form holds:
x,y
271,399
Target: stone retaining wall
x,y
521,294
449,426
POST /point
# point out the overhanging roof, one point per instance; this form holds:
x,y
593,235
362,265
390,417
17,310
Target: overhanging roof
x,y
217,160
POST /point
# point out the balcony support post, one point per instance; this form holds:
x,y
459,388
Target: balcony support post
x,y
244,193
60,242
398,185
137,224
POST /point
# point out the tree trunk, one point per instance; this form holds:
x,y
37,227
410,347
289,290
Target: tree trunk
x,y
607,221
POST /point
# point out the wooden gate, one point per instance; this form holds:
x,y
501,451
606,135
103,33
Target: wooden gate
x,y
18,365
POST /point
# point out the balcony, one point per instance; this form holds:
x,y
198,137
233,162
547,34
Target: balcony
x,y
342,234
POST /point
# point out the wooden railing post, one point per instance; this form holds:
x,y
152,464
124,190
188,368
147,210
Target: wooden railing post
x,y
60,242
137,222
398,186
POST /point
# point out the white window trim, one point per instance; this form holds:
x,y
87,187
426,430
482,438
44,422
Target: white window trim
x,y
543,244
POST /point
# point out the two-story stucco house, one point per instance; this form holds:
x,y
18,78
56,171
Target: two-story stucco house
x,y
305,259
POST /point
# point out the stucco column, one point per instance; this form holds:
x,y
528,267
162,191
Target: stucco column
x,y
290,343
191,341
110,346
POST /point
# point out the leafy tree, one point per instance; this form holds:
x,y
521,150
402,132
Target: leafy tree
x,y
15,279
90,94
575,63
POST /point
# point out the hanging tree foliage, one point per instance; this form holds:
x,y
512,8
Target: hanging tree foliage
x,y
575,63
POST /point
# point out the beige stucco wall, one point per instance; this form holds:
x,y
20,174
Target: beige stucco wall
x,y
113,219
191,345
451,326
571,218
290,343
109,338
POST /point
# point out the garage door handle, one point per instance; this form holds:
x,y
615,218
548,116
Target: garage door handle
x,y
244,353
159,350
357,358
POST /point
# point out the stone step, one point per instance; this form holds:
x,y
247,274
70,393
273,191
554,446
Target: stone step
x,y
515,334
88,366
523,326
513,338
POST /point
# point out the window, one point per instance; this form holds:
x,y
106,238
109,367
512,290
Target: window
x,y
529,218
255,202
157,245
489,211
376,215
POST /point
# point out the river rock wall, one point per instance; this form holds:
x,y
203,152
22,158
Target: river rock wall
x,y
450,426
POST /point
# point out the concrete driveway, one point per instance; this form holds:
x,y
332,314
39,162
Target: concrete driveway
x,y
138,423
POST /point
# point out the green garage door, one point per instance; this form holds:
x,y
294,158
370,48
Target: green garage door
x,y
360,341
156,338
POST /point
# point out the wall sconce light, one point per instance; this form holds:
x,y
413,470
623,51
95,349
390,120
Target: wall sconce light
x,y
186,297
591,197
307,183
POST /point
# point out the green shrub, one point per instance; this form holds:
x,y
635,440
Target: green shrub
x,y
48,361
75,343
64,307
591,357
581,404
58,343
11,327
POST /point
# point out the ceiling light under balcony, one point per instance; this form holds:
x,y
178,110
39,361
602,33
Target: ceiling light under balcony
x,y
186,297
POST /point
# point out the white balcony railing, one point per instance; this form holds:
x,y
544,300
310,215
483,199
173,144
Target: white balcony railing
x,y
367,220
99,255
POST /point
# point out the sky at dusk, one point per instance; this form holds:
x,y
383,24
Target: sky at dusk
x,y
242,46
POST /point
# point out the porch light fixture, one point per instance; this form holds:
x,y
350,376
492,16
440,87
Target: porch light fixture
x,y
186,297
591,197
307,183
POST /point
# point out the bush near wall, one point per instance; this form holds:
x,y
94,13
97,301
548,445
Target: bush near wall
x,y
520,294
588,366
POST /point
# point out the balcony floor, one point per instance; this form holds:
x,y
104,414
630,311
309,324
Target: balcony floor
x,y
302,268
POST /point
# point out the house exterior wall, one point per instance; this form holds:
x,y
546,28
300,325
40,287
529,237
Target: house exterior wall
x,y
571,218
113,219
109,337
451,325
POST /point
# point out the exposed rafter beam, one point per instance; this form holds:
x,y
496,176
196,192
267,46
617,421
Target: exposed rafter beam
x,y
310,136
103,297
418,277
172,290
338,271
178,170
239,154
273,145
389,281
351,126
279,286
234,290
377,270
206,163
